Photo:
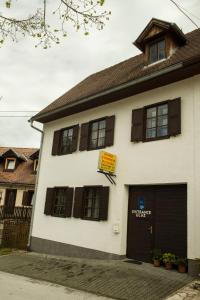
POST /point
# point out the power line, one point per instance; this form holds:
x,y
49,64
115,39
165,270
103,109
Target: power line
x,y
182,10
15,116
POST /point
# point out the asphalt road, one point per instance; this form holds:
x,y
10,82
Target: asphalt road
x,y
14,287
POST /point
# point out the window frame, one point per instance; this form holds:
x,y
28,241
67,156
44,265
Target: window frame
x,y
90,134
7,162
86,188
61,139
53,214
145,139
156,42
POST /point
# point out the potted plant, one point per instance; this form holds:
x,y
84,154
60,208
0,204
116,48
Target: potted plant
x,y
169,259
156,257
182,265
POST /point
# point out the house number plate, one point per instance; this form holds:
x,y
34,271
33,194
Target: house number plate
x,y
141,213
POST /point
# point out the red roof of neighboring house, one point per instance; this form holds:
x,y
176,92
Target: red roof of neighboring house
x,y
23,174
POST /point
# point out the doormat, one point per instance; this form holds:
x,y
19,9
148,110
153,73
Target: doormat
x,y
132,261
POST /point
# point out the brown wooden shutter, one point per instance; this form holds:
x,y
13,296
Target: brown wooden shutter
x,y
75,138
56,142
104,198
25,199
174,117
78,202
49,201
68,202
84,137
110,125
137,131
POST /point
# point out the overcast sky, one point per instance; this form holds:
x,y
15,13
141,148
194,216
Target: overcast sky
x,y
31,78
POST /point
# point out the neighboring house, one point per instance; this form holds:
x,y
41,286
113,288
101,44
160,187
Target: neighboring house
x,y
146,110
18,168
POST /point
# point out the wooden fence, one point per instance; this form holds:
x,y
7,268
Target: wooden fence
x,y
15,234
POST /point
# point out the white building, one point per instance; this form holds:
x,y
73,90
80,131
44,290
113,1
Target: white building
x,y
146,111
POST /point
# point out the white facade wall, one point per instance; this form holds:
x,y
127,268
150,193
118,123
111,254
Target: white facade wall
x,y
174,160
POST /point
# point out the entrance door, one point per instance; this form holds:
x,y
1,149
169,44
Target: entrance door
x,y
10,201
140,223
157,218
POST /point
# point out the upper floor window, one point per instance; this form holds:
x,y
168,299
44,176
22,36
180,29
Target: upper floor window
x,y
97,134
66,141
10,163
157,51
157,121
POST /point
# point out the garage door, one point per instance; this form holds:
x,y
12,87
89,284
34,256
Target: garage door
x,y
157,218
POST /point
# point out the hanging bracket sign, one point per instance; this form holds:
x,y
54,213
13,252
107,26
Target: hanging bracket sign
x,y
107,165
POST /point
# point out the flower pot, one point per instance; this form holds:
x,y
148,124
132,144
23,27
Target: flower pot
x,y
168,266
182,269
156,263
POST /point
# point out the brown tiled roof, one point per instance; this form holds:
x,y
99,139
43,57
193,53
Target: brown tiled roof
x,y
24,171
124,72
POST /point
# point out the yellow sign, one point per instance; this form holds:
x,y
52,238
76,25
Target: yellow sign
x,y
107,162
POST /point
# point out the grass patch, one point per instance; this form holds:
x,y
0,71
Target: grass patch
x,y
5,251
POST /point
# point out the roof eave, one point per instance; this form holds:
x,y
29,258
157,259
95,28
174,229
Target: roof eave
x,y
167,75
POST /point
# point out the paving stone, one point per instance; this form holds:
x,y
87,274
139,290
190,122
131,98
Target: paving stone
x,y
114,279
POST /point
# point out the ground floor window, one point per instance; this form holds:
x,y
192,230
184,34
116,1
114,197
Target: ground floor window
x,y
91,203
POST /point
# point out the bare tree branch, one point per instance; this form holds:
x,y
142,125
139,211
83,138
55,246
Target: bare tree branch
x,y
82,14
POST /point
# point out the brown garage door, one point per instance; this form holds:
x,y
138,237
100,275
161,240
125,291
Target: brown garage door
x,y
157,218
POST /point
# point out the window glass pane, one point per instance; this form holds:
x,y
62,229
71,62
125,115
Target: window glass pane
x,y
95,126
94,135
151,112
153,53
102,124
101,142
162,121
151,123
161,49
151,133
162,131
163,109
102,133
11,164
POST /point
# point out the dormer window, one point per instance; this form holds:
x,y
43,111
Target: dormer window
x,y
157,51
10,164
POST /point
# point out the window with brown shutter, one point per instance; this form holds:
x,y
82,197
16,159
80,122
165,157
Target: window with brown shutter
x,y
49,201
78,202
157,121
65,140
56,142
137,131
97,134
59,202
110,125
91,203
175,117
84,137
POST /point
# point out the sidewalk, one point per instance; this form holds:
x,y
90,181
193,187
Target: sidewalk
x,y
14,287
114,279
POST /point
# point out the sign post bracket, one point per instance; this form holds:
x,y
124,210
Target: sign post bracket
x,y
108,176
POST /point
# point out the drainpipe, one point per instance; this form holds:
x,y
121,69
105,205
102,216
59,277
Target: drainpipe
x,y
36,183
